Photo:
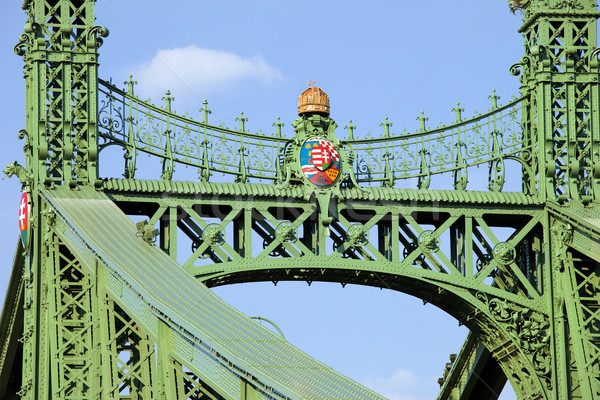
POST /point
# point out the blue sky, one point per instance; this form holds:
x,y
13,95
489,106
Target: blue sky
x,y
384,58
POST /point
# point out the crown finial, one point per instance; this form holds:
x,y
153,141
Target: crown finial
x,y
313,100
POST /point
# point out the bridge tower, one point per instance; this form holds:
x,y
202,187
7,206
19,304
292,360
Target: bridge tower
x,y
561,78
53,298
96,309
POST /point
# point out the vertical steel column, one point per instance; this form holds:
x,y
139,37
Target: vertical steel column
x,y
71,328
168,231
560,70
59,48
165,370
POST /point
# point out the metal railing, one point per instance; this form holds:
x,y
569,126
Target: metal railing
x,y
488,138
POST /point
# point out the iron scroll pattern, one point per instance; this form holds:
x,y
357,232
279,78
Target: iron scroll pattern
x,y
486,139
528,329
136,126
139,126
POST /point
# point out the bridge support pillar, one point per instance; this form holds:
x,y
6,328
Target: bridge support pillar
x,y
560,75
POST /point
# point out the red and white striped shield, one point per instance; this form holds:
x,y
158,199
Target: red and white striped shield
x,y
324,154
321,157
24,218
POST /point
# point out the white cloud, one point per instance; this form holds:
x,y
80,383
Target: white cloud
x,y
195,72
396,387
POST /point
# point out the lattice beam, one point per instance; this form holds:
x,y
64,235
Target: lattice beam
x,y
60,46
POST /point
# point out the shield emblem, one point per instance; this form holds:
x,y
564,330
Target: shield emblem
x,y
24,209
320,161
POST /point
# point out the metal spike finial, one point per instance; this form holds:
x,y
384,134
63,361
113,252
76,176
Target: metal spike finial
x,y
386,127
278,126
205,111
494,97
168,99
130,84
350,129
422,120
242,120
458,111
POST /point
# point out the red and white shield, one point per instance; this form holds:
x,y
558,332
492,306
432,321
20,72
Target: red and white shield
x,y
321,158
323,154
24,217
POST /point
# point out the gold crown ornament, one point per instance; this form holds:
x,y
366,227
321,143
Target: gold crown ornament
x,y
313,100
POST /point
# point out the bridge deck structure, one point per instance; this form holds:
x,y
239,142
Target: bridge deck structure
x,y
100,307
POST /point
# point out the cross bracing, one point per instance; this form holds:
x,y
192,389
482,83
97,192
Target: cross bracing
x,y
399,261
205,333
96,310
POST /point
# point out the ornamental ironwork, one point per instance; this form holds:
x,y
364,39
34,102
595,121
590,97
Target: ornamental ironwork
x,y
488,139
286,231
358,235
213,234
429,242
326,205
504,253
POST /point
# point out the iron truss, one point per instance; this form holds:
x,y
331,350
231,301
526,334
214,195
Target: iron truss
x,y
85,315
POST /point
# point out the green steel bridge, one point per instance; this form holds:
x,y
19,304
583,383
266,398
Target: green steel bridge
x,y
99,307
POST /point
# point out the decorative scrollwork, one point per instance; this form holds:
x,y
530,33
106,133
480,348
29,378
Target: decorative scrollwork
x,y
522,64
528,329
482,262
97,33
20,47
249,157
572,4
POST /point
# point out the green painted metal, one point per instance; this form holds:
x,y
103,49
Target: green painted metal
x,y
462,377
411,246
218,343
560,76
474,198
138,126
98,322
11,324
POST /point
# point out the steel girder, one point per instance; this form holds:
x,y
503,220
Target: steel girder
x,y
505,291
11,329
87,346
532,298
513,325
472,373
219,351
442,253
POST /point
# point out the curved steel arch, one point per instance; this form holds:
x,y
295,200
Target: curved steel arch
x,y
532,297
498,317
498,296
499,321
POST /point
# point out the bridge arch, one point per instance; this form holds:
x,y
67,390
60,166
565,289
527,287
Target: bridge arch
x,y
530,317
482,313
501,314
